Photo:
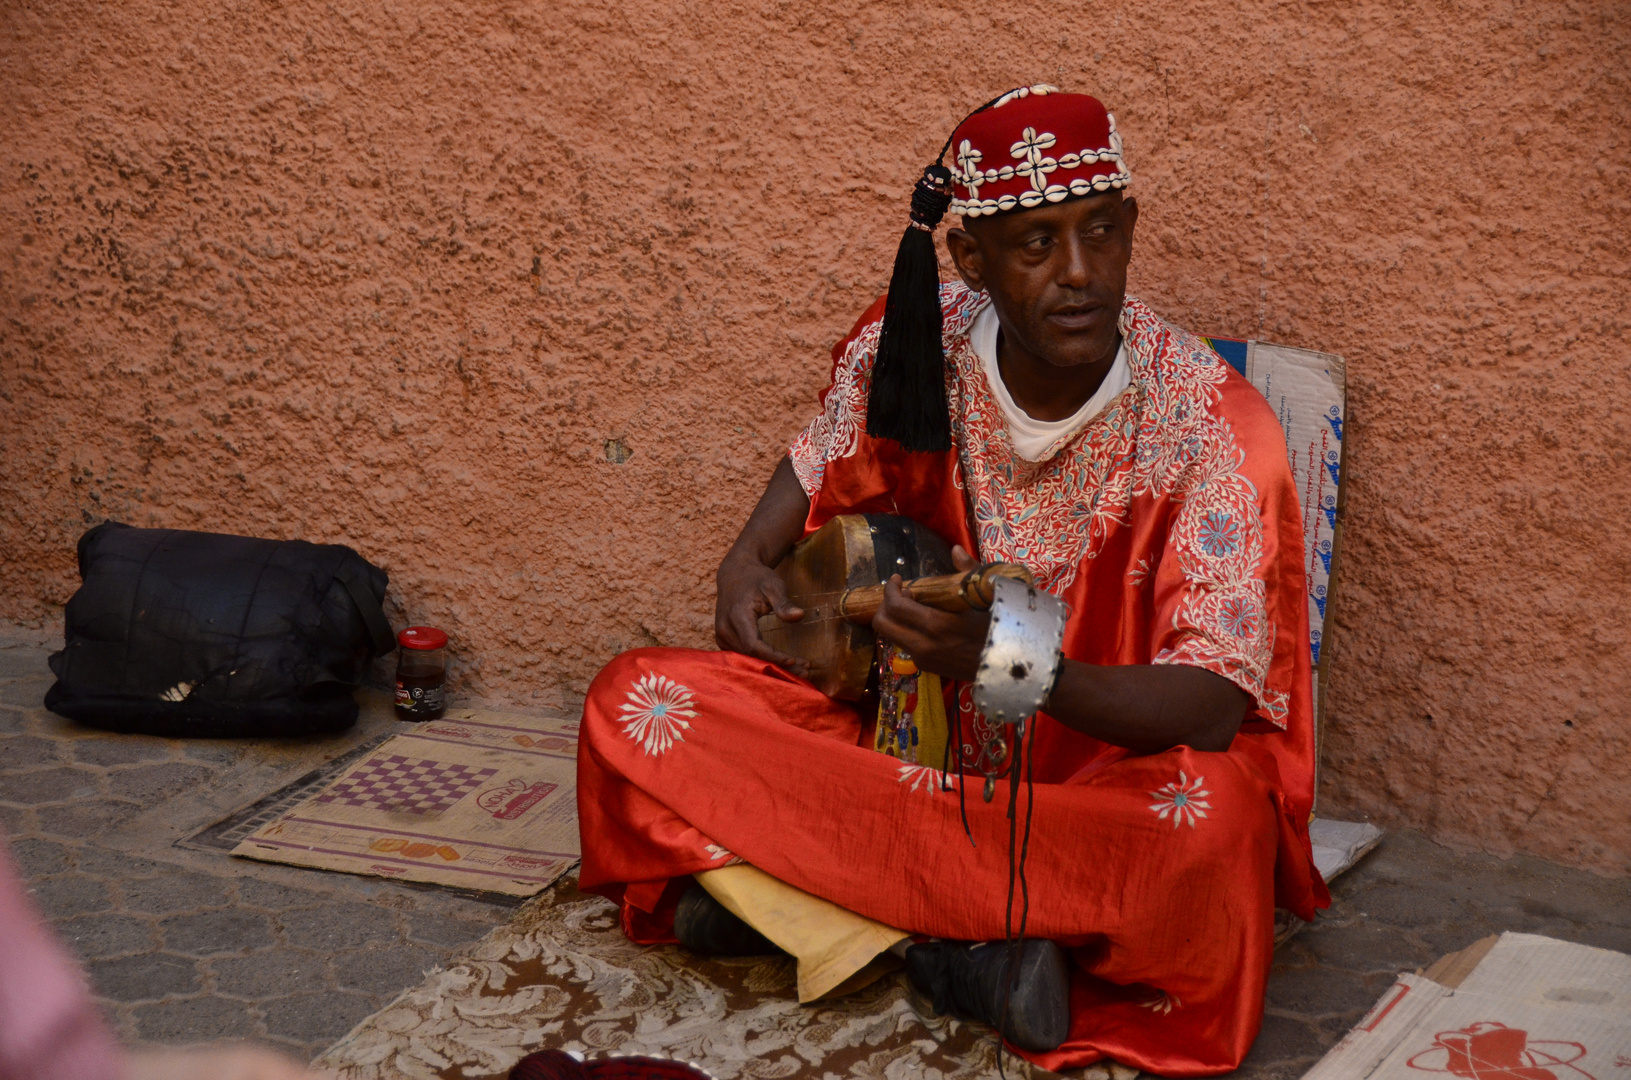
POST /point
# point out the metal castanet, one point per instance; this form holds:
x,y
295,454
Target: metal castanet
x,y
836,576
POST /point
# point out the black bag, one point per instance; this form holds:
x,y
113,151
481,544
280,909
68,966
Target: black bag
x,y
189,633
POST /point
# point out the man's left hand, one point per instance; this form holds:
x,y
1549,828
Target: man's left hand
x,y
946,643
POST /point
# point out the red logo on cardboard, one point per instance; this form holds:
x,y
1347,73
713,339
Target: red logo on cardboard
x,y
513,799
1493,1051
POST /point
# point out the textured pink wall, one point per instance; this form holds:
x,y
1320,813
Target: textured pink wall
x,y
395,274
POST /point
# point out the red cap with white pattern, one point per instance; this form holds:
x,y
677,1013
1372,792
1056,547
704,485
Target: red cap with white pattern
x,y
1030,147
1034,145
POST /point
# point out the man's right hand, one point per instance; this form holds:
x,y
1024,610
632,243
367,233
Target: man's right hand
x,y
747,590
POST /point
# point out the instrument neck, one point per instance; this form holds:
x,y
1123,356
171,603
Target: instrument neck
x,y
946,592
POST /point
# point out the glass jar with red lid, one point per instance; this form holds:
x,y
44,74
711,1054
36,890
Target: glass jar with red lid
x,y
421,674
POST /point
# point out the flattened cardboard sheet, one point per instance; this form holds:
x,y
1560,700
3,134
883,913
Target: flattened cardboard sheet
x,y
1533,1008
1307,391
1340,844
479,800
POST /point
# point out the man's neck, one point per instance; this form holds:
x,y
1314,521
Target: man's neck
x,y
1045,391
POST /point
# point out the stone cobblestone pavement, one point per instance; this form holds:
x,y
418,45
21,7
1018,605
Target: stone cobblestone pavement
x,y
186,946
1405,905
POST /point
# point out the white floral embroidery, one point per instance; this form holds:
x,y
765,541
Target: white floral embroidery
x,y
924,778
1162,439
834,433
722,855
1162,1003
1183,801
655,714
1275,704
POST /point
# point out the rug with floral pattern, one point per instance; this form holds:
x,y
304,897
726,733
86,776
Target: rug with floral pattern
x,y
561,974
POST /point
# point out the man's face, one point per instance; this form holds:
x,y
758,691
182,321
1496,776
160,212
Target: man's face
x,y
1057,274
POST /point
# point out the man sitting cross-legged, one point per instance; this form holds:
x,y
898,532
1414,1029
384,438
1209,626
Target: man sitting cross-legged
x,y
1145,484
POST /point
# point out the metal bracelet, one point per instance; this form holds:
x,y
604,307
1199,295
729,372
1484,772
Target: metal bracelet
x,y
1020,661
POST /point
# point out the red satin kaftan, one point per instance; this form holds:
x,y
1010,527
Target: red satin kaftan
x,y
1170,527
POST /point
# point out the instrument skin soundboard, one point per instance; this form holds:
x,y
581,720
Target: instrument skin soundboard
x,y
836,573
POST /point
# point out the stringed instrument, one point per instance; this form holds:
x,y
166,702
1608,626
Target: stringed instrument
x,y
836,575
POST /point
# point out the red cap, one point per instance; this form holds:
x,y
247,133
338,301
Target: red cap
x,y
421,637
1035,145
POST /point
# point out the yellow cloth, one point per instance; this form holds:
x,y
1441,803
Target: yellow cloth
x,y
837,950
929,719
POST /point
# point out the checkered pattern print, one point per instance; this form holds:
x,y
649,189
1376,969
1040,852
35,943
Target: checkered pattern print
x,y
406,785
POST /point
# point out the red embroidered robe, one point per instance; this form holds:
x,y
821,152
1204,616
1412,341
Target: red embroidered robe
x,y
1170,526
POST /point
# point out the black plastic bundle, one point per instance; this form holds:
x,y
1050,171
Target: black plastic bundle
x,y
200,634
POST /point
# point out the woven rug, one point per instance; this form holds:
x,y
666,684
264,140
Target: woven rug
x,y
561,974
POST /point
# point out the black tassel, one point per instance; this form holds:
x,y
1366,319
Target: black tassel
x,y
908,398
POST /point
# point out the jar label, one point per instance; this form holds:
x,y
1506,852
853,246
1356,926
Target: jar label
x,y
420,698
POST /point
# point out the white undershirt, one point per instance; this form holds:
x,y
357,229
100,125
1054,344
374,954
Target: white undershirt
x,y
1035,439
